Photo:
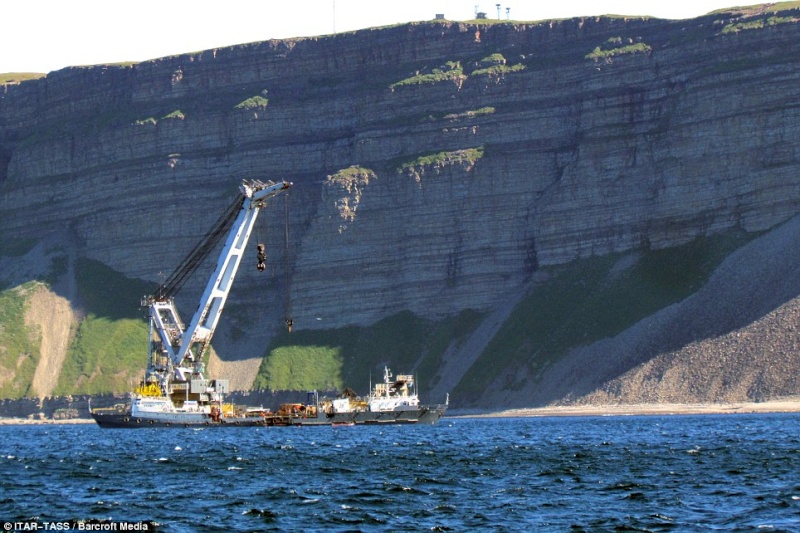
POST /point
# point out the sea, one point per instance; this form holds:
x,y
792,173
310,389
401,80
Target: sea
x,y
736,472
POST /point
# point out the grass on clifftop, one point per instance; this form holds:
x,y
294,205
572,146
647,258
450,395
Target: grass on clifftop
x,y
757,9
587,301
353,356
19,77
757,24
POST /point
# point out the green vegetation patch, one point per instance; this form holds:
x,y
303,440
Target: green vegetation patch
x,y
351,175
355,356
493,59
109,349
255,102
587,301
452,70
757,9
19,345
495,65
616,46
175,114
105,356
757,24
469,155
498,70
307,367
19,77
783,6
470,114
152,121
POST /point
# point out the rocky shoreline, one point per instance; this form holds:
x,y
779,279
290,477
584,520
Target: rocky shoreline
x,y
784,405
13,421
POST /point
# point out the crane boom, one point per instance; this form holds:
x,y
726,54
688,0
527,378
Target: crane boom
x,y
177,354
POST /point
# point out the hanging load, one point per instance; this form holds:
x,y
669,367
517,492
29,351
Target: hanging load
x,y
262,257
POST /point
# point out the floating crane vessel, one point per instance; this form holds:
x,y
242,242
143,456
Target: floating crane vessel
x,y
176,391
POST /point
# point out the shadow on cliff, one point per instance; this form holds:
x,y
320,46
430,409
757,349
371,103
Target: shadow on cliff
x,y
106,293
750,283
89,285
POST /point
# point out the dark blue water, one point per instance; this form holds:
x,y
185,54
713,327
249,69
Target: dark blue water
x,y
673,473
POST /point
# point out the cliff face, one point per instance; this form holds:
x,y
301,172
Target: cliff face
x,y
437,167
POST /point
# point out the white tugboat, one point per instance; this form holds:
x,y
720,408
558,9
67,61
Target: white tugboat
x,y
393,394
394,401
389,402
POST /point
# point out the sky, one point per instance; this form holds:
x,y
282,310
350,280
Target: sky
x,y
47,35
